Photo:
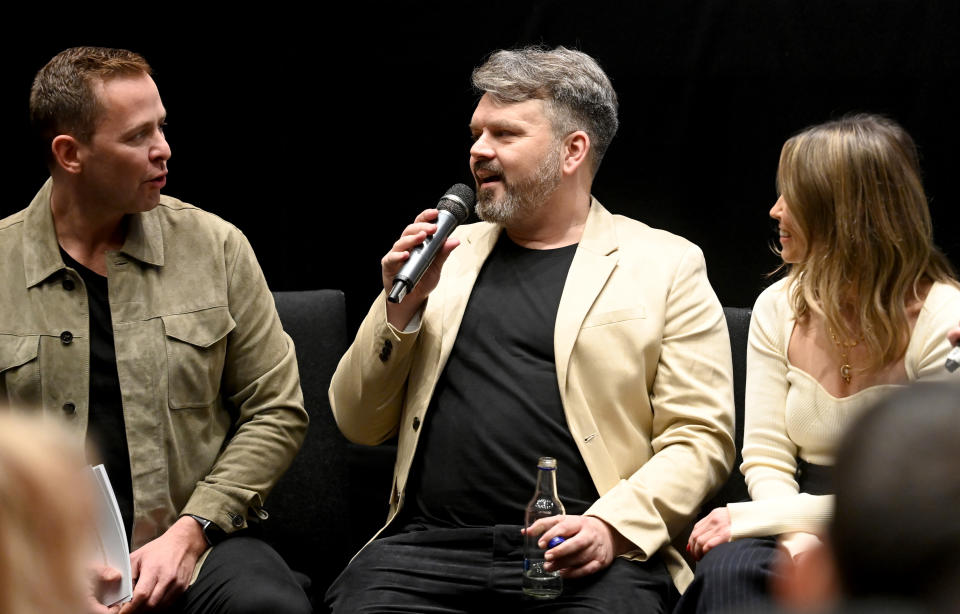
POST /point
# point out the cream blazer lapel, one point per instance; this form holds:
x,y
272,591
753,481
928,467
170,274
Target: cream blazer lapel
x,y
595,259
594,262
476,244
441,322
592,265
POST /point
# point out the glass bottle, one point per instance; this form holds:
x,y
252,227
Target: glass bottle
x,y
538,583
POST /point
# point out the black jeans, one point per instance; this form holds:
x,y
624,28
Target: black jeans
x,y
244,575
479,570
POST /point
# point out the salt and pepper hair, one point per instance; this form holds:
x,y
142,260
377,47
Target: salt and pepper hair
x,y
63,99
854,190
577,93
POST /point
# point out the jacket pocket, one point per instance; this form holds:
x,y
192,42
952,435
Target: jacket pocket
x,y
20,369
196,348
617,315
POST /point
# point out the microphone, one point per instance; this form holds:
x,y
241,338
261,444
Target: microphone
x,y
953,359
455,207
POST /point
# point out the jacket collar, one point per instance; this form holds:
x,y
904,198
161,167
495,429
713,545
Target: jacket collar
x,y
599,235
41,251
594,261
145,237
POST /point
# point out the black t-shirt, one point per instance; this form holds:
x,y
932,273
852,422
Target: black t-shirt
x,y
105,426
496,408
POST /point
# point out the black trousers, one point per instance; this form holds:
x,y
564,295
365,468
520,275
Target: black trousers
x,y
479,570
733,577
244,575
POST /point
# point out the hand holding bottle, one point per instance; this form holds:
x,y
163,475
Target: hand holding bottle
x,y
590,544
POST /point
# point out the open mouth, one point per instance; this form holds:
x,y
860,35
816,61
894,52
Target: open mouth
x,y
488,180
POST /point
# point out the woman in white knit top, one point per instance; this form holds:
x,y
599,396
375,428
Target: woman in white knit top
x,y
864,308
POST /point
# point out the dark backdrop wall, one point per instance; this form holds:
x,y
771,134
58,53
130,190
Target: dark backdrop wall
x,y
322,133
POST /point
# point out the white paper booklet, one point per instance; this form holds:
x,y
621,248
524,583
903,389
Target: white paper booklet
x,y
112,538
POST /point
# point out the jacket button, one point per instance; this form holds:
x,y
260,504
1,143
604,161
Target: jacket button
x,y
385,350
69,408
416,422
238,521
66,337
68,284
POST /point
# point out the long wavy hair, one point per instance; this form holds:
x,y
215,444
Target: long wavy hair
x,y
854,190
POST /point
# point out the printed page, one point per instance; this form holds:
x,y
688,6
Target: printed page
x,y
113,538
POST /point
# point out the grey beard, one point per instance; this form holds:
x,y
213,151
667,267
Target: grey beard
x,y
524,197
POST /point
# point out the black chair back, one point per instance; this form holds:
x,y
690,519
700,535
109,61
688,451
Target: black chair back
x,y
738,325
309,520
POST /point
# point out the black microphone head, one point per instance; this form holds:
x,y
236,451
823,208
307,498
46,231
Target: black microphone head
x,y
458,200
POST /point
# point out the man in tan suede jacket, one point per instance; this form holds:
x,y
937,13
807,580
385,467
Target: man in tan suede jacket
x,y
553,328
146,325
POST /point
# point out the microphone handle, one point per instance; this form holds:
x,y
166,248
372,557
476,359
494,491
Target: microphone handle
x,y
421,257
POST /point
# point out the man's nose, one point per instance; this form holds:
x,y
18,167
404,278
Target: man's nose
x,y
161,150
481,149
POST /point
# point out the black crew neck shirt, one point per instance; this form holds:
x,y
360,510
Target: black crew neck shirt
x,y
105,426
496,408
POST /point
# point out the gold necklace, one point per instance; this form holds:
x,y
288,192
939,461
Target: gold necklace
x,y
846,373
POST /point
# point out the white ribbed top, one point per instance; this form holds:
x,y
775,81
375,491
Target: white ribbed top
x,y
790,415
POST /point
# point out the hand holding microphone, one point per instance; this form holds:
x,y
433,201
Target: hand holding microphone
x,y
407,267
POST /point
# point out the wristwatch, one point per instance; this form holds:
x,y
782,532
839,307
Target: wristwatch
x,y
211,532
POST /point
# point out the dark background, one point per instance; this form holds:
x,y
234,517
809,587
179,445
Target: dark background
x,y
322,132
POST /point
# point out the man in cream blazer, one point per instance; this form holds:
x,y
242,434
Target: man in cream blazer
x,y
640,350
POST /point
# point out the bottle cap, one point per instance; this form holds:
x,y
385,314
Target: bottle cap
x,y
547,462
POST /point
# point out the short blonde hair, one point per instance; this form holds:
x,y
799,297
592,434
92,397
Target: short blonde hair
x,y
45,518
854,190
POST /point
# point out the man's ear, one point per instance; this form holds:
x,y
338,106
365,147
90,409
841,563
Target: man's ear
x,y
66,153
576,151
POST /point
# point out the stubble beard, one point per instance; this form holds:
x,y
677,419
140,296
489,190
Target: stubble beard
x,y
522,197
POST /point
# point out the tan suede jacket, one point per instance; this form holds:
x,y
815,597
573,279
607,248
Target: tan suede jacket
x,y
209,382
